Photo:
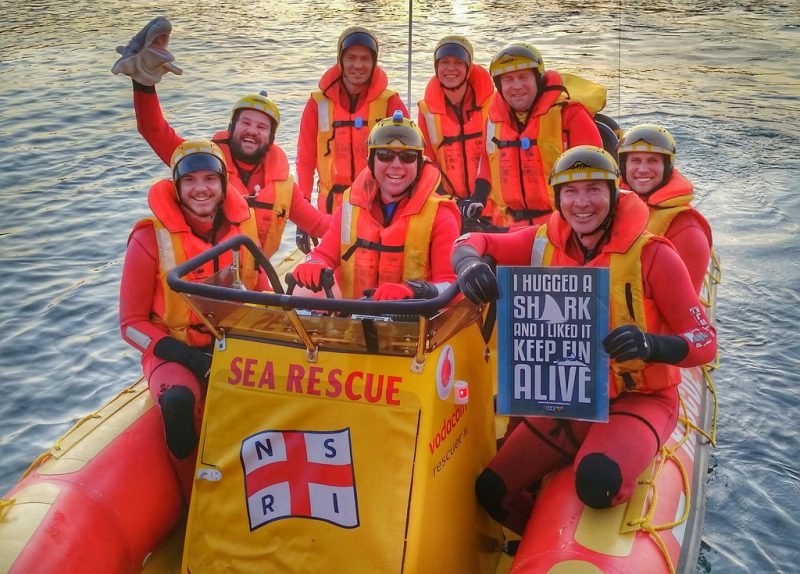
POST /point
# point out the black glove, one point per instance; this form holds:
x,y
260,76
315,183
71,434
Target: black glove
x,y
469,208
195,359
480,225
423,289
303,241
477,282
629,342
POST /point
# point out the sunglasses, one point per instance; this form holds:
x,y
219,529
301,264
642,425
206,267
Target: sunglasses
x,y
388,155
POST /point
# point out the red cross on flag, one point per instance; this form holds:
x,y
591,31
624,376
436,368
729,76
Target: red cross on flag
x,y
305,474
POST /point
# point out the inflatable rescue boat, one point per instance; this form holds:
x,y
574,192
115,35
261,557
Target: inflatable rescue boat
x,y
338,436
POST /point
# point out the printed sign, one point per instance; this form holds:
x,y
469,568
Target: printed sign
x,y
551,323
300,474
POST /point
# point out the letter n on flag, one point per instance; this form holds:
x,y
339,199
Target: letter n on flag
x,y
306,474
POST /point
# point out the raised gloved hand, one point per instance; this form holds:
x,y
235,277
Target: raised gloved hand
x,y
627,343
303,241
146,58
309,274
195,359
477,282
470,208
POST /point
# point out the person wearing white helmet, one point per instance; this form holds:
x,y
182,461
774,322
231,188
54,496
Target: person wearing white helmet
x,y
451,119
531,121
353,96
191,212
647,163
393,232
257,167
656,325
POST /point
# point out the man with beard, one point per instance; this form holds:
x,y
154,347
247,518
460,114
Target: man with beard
x,y
257,167
451,119
337,119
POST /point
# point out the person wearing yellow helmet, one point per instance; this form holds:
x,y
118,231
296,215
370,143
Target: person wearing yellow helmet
x,y
647,162
529,123
191,212
393,231
257,167
655,326
352,97
451,119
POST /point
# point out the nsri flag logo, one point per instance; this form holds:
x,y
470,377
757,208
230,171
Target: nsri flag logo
x,y
302,474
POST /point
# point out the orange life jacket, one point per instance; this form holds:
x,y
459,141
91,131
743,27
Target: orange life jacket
x,y
521,162
177,244
342,134
271,196
629,305
372,254
674,197
457,142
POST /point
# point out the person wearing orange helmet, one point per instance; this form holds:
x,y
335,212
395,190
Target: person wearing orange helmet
x,y
352,97
394,229
647,163
257,167
656,325
530,122
190,213
451,119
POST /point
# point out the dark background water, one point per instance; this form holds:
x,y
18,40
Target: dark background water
x,y
724,77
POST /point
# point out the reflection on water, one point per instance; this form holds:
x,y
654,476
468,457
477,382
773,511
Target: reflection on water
x,y
722,76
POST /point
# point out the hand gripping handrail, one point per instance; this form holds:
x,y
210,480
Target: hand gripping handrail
x,y
424,307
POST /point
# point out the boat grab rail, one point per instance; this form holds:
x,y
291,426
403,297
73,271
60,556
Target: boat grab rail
x,y
278,298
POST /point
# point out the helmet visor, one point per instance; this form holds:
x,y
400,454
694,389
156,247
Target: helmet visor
x,y
359,39
453,50
198,162
647,140
513,58
398,137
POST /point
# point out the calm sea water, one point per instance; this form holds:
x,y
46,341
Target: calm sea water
x,y
724,77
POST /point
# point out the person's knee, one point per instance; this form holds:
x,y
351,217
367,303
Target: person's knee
x,y
597,480
491,491
177,411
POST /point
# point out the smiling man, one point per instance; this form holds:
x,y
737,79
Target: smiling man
x,y
337,119
647,163
191,212
656,325
530,122
451,119
393,232
257,167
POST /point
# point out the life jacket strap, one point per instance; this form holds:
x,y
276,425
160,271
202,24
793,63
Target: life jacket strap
x,y
373,246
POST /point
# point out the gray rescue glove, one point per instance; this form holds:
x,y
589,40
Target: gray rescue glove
x,y
146,58
469,208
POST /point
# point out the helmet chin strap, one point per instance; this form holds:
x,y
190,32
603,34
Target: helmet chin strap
x,y
605,227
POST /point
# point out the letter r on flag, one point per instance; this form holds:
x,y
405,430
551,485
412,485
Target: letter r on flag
x,y
304,474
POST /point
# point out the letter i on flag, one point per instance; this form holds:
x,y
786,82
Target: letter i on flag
x,y
300,474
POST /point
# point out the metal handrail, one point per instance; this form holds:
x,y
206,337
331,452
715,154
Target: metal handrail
x,y
425,307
